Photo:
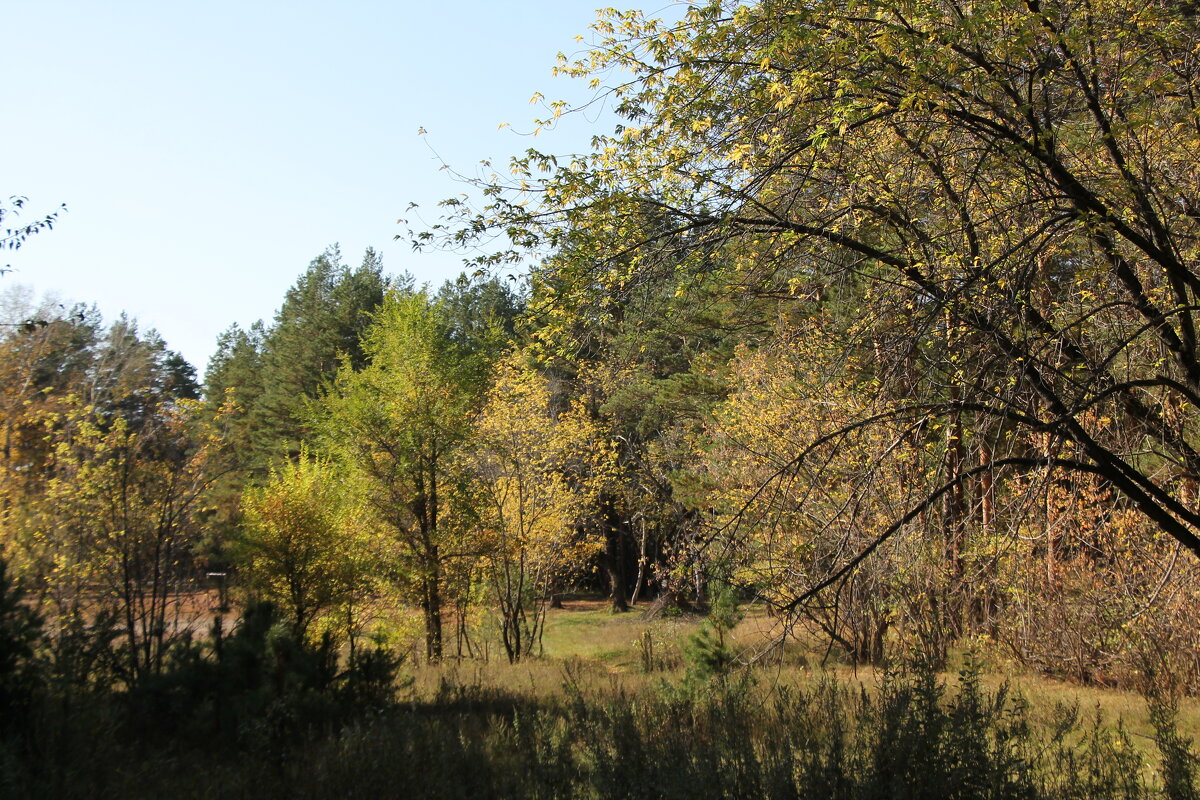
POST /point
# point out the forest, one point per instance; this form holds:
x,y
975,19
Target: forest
x,y
853,378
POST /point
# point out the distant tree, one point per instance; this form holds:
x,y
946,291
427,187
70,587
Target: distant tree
x,y
264,381
480,316
236,361
233,385
234,376
132,372
114,530
320,323
272,374
40,364
102,464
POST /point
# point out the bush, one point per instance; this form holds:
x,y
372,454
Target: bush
x,y
20,633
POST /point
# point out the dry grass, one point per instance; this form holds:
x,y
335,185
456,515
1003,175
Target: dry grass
x,y
588,646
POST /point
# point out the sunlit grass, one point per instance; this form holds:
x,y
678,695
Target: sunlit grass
x,y
585,643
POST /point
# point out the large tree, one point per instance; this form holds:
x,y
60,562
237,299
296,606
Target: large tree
x,y
994,202
400,422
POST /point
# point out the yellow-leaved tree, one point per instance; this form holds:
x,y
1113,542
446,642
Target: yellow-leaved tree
x,y
529,500
997,199
792,485
115,530
307,547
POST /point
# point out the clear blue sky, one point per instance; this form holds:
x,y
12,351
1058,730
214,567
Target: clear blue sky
x,y
208,151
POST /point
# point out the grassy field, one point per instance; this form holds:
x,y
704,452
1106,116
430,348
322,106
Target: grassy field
x,y
585,641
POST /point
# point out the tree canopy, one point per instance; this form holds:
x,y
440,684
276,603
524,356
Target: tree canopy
x,y
1007,186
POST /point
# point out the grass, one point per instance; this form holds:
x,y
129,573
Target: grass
x,y
589,720
583,630
603,649
609,644
588,646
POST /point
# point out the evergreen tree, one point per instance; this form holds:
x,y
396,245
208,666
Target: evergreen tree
x,y
320,321
132,373
236,366
267,378
479,316
276,372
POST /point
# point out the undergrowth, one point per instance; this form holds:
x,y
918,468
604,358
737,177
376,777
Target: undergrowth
x,y
912,737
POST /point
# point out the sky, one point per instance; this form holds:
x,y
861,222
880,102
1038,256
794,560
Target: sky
x,y
207,152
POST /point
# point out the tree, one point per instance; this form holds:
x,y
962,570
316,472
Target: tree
x,y
321,321
778,525
305,546
233,384
273,374
46,352
1000,189
264,382
479,316
131,372
236,365
114,529
14,238
527,508
654,368
400,423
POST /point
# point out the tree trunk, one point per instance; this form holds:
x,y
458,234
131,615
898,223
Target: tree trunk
x,y
955,519
641,575
614,566
433,611
987,490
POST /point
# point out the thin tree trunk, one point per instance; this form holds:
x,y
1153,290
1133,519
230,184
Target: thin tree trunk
x,y
641,576
987,490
